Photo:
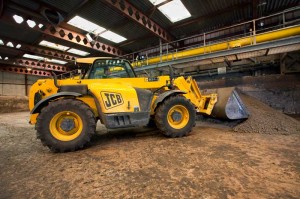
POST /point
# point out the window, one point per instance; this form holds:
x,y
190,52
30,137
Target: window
x,y
109,69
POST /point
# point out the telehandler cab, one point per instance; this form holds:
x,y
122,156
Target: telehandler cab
x,y
65,111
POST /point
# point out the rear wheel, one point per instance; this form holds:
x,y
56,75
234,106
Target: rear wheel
x,y
175,117
65,125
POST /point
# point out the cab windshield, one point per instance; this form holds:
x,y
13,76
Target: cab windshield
x,y
110,68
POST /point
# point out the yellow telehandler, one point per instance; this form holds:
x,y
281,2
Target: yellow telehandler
x,y
65,111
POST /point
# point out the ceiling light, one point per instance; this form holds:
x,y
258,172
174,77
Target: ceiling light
x,y
78,52
156,2
175,11
53,45
0,57
33,57
1,42
18,46
112,36
86,25
29,69
56,61
31,23
40,25
9,44
18,19
6,58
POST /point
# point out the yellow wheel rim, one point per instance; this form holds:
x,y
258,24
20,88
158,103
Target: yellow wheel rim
x,y
66,126
178,117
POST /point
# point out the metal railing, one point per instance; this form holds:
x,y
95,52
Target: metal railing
x,y
253,27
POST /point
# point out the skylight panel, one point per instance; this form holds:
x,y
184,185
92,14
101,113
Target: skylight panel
x,y
86,25
78,52
36,57
53,45
175,11
112,36
156,2
18,19
31,23
33,57
9,44
56,61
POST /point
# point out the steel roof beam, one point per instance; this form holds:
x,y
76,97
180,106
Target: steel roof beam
x,y
28,63
64,34
21,70
37,50
133,13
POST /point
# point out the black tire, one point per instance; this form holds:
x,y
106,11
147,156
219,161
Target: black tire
x,y
76,107
161,116
151,123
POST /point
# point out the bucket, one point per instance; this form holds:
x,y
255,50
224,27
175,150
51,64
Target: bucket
x,y
229,105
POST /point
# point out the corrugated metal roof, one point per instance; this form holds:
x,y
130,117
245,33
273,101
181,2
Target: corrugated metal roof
x,y
30,4
65,5
102,14
207,15
131,30
12,31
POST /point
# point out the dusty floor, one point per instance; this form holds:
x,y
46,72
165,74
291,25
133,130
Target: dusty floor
x,y
212,162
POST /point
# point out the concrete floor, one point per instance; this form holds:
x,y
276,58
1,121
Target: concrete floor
x,y
212,162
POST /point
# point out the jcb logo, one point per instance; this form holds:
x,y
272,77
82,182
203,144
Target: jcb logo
x,y
111,100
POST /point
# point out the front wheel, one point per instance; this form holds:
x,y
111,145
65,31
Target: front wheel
x,y
175,117
65,125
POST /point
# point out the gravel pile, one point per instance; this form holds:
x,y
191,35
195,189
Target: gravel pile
x,y
264,119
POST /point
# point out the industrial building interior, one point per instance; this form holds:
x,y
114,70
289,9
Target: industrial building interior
x,y
249,46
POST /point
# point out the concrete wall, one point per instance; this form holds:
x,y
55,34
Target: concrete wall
x,y
281,92
14,84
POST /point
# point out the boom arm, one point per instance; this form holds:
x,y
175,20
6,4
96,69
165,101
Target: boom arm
x,y
203,103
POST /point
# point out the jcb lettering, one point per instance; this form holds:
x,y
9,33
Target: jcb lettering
x,y
119,98
111,100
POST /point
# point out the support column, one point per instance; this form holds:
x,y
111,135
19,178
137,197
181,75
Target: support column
x,y
282,63
26,85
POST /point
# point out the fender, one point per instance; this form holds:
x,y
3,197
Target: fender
x,y
44,102
165,95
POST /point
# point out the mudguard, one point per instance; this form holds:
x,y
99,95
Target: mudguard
x,y
44,102
166,94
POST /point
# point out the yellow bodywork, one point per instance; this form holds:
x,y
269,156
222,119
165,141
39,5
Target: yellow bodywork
x,y
125,87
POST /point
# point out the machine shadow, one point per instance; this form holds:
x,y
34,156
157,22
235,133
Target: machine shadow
x,y
107,136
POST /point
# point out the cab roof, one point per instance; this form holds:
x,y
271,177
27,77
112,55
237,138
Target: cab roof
x,y
90,60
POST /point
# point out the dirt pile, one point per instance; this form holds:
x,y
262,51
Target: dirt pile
x,y
264,119
10,104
